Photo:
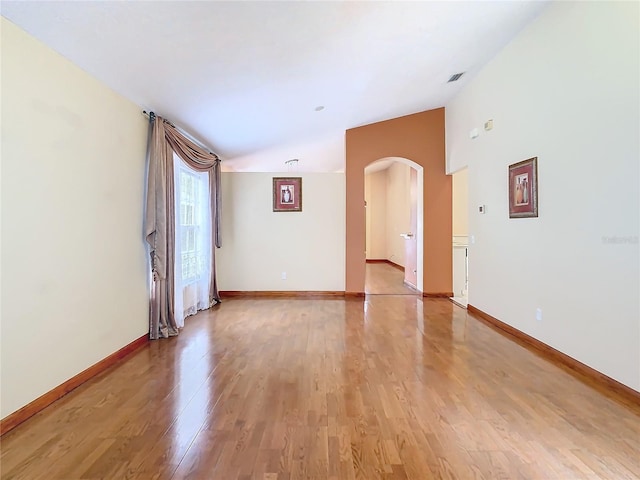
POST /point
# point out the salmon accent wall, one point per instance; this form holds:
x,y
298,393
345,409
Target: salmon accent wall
x,y
419,137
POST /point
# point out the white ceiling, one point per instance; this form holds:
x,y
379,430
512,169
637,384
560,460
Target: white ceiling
x,y
245,77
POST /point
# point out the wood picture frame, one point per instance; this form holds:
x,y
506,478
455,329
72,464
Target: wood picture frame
x,y
523,189
287,194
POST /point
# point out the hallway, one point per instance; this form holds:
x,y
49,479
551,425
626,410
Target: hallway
x,y
385,279
392,387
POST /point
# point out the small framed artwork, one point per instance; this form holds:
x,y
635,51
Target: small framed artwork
x,y
287,194
523,189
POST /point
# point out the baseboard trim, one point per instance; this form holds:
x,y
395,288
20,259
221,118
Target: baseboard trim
x,y
388,262
600,381
355,294
412,287
437,294
16,418
280,293
451,299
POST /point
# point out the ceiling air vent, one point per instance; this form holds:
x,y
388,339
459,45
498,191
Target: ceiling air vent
x,y
455,77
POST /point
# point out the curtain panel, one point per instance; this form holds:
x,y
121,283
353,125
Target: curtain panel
x,y
159,222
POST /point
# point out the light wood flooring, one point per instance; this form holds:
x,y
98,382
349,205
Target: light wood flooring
x,y
384,279
390,387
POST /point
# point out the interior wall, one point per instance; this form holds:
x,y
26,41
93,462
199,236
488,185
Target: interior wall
x,y
74,286
376,210
461,203
420,138
259,244
398,211
565,90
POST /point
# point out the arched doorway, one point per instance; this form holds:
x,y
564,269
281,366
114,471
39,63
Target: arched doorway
x,y
419,137
394,225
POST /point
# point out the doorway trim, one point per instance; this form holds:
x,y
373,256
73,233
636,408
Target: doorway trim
x,y
419,209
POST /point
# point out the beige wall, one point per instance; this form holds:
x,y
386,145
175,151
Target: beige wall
x,y
398,211
259,244
461,202
375,192
74,283
388,209
565,90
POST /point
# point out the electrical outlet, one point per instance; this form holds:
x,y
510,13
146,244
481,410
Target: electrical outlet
x,y
284,275
539,314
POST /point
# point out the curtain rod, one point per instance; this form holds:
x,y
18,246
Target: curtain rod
x,y
185,133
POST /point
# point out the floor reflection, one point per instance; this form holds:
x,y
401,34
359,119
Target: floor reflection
x,y
195,386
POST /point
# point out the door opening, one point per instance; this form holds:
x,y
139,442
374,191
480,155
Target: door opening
x,y
460,240
393,206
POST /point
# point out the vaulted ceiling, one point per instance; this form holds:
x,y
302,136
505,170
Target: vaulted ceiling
x,y
246,78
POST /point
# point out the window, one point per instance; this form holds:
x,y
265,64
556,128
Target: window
x,y
192,266
193,253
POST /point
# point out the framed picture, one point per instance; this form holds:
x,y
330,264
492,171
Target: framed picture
x,y
523,189
287,194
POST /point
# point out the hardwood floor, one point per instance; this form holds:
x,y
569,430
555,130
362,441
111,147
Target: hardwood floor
x,y
392,387
384,279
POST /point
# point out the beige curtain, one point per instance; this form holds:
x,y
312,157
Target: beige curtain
x,y
160,217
